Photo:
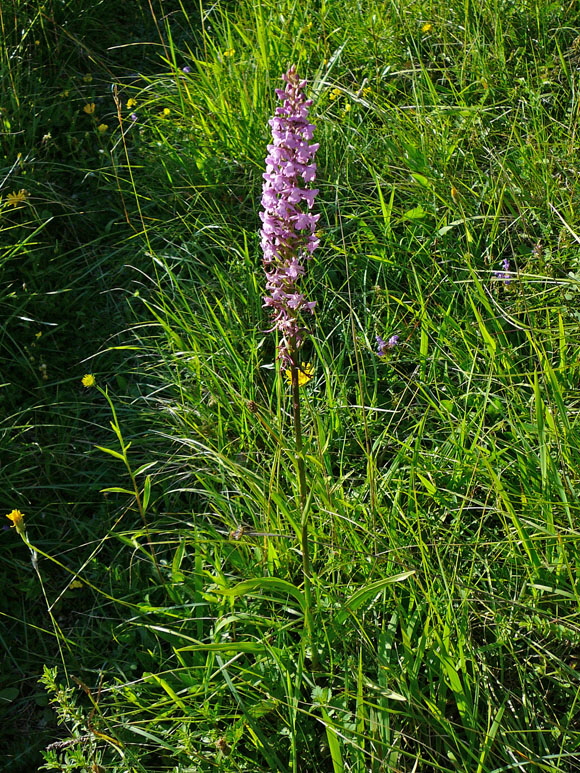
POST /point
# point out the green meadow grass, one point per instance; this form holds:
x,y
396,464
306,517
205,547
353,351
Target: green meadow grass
x,y
155,621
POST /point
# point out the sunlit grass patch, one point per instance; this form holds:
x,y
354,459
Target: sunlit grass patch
x,y
439,391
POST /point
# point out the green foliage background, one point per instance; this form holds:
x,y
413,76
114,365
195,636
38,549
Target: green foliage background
x,y
444,478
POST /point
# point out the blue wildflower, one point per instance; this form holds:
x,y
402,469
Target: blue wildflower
x,y
383,346
504,275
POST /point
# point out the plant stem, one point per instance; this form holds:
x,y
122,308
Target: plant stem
x,y
301,468
138,500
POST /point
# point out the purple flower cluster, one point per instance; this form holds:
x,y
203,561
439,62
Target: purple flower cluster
x,y
504,275
383,346
287,234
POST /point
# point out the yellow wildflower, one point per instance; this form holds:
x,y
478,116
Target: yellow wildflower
x,y
88,380
131,103
366,91
89,108
76,584
427,27
335,93
305,373
14,199
17,519
102,128
64,93
454,194
88,78
230,52
347,108
165,112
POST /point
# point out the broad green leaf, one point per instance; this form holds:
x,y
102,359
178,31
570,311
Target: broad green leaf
x,y
231,646
431,489
110,451
421,179
8,694
333,743
414,214
146,492
176,574
268,584
147,466
367,593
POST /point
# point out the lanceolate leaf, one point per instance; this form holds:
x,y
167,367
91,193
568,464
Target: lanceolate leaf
x,y
367,593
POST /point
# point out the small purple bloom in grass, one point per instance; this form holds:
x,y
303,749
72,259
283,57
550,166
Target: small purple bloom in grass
x,y
186,69
133,116
288,228
504,275
383,346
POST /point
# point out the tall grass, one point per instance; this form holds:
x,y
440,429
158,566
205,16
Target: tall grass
x,y
442,477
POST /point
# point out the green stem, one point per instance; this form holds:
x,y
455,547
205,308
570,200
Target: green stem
x,y
138,501
59,635
301,468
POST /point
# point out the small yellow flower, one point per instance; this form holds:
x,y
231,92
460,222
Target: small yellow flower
x,y
347,108
76,584
89,108
230,52
102,128
88,380
454,194
305,373
14,199
64,93
366,91
131,103
166,111
88,78
335,93
17,519
427,27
